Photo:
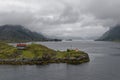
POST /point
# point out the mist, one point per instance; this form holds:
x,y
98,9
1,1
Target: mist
x,y
76,19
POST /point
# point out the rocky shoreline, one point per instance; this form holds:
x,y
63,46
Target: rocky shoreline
x,y
44,61
36,54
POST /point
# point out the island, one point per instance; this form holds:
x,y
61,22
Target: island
x,y
37,54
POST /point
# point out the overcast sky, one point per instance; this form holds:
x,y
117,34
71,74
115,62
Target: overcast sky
x,y
62,18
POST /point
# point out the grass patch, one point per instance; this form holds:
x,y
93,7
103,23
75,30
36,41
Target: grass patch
x,y
38,51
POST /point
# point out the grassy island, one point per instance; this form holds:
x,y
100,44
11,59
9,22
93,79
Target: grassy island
x,y
39,54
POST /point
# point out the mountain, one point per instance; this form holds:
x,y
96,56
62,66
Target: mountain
x,y
17,33
112,35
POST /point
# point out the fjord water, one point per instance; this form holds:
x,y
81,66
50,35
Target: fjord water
x,y
104,64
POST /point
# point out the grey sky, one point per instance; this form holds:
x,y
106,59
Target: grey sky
x,y
62,18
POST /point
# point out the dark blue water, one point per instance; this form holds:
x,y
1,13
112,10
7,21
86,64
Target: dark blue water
x,y
104,64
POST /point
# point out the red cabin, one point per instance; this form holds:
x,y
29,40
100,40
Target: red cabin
x,y
21,46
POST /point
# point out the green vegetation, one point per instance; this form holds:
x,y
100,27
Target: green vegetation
x,y
39,54
37,51
7,51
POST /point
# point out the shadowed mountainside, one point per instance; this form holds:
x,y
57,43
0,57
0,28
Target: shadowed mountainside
x,y
112,35
17,33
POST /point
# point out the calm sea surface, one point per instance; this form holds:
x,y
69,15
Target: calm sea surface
x,y
104,64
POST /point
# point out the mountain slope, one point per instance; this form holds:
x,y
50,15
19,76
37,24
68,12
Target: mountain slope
x,y
17,33
112,35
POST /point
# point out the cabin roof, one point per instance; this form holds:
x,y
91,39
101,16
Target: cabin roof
x,y
21,45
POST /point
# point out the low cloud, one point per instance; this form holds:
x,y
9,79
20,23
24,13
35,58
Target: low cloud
x,y
62,18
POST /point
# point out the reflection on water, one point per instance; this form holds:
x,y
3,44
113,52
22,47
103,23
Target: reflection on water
x,y
104,64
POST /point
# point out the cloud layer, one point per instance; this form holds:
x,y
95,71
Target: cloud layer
x,y
62,18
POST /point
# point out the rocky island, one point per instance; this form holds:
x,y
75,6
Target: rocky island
x,y
37,54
